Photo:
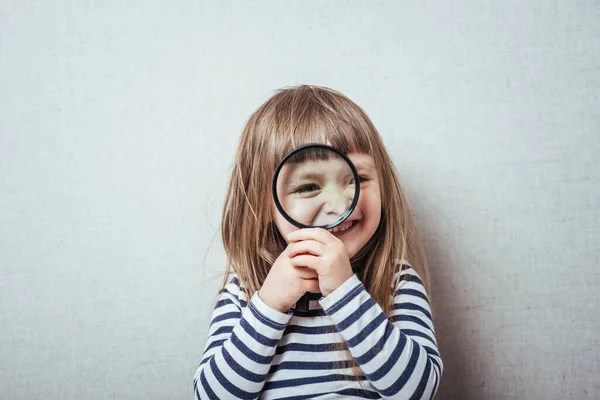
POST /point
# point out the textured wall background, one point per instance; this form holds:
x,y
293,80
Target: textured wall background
x,y
118,125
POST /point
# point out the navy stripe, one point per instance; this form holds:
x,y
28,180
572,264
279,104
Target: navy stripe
x,y
309,348
223,291
223,317
305,365
411,318
251,376
346,299
401,382
363,394
411,306
206,387
286,383
349,320
310,330
259,337
411,278
411,292
412,332
223,329
265,320
250,353
401,267
367,330
224,302
436,383
433,360
205,360
231,388
431,351
216,343
391,361
418,394
369,355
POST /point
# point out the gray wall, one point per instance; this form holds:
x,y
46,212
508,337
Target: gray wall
x,y
118,125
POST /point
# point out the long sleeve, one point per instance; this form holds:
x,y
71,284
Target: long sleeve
x,y
241,345
399,354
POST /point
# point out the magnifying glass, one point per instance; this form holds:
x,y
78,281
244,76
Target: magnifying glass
x,y
315,186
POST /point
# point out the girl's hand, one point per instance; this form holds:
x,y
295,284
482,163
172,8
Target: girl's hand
x,y
322,252
286,283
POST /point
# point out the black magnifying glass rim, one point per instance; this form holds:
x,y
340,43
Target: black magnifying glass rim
x,y
345,215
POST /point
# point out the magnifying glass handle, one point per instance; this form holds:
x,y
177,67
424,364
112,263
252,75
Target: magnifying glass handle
x,y
302,303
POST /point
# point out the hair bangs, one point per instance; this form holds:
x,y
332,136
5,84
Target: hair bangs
x,y
320,117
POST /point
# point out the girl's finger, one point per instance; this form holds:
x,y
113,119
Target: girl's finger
x,y
306,246
318,234
305,260
305,272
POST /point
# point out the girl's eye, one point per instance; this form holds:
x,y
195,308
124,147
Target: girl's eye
x,y
311,187
364,179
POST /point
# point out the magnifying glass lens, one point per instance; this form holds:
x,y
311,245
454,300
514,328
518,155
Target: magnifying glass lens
x,y
316,187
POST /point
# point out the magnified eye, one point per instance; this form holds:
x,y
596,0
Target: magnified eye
x,y
308,188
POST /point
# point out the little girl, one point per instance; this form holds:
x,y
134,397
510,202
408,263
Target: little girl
x,y
368,332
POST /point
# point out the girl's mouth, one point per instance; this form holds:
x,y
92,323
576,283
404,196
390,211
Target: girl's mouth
x,y
344,227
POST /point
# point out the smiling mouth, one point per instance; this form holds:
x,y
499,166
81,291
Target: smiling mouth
x,y
344,226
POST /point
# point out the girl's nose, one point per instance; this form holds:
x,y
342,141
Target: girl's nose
x,y
337,205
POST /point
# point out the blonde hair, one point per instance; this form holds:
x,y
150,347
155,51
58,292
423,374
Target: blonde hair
x,y
292,117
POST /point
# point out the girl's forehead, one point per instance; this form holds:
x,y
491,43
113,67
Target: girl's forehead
x,y
362,160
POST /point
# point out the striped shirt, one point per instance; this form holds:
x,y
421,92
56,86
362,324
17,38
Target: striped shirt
x,y
254,351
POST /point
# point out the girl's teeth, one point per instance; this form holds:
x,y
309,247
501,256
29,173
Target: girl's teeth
x,y
342,227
